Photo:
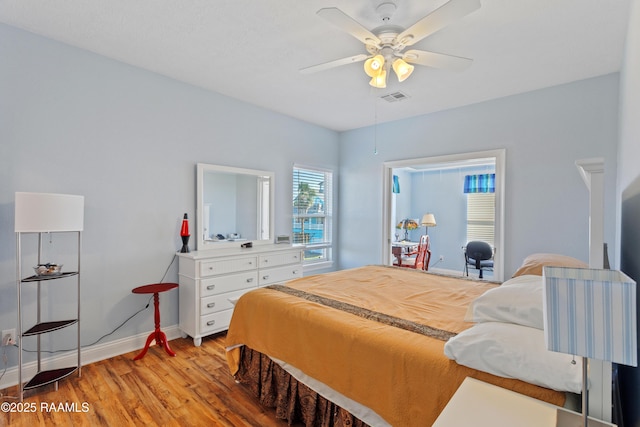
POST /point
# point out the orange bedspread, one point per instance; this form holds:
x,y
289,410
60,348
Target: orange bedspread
x,y
403,376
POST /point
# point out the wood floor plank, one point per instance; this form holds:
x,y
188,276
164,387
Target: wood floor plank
x,y
194,388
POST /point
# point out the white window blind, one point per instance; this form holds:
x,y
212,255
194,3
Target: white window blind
x,y
312,212
481,217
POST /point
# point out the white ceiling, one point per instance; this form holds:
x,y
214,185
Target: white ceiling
x,y
252,50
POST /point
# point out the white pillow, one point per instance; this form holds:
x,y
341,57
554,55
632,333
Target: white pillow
x,y
518,300
515,351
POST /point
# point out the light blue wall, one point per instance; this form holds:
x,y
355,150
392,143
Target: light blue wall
x,y
128,140
543,132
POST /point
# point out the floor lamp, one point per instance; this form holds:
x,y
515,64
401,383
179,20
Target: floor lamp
x,y
428,220
590,313
45,213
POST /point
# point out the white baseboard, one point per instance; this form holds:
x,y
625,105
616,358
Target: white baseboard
x,y
88,355
472,273
446,271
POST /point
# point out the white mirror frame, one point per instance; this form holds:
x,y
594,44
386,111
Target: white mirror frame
x,y
201,169
500,159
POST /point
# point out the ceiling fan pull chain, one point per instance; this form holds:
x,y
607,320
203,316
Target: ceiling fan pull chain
x,y
375,127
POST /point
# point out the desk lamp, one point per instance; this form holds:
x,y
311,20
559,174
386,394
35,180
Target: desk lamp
x,y
407,224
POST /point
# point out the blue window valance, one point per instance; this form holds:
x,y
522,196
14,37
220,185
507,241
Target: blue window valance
x,y
483,183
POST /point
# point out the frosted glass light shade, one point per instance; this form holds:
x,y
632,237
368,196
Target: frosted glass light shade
x,y
373,66
44,212
402,69
380,80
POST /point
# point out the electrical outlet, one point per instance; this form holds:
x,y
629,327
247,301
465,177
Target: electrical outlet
x,y
8,337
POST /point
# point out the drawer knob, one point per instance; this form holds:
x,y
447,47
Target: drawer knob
x,y
211,305
265,277
211,287
211,322
295,271
210,268
250,279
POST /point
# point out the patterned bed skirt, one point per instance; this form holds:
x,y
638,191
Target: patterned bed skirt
x,y
293,401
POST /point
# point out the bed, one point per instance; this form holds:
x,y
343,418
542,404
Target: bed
x,y
381,345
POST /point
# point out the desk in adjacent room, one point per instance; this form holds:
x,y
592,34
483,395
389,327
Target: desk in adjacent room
x,y
402,248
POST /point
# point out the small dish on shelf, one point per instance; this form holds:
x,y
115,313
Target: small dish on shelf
x,y
48,269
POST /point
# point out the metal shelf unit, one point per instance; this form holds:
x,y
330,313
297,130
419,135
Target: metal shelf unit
x,y
48,376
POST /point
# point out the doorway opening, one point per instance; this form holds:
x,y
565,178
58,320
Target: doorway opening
x,y
434,188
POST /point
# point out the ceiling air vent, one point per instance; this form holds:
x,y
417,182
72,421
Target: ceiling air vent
x,y
395,97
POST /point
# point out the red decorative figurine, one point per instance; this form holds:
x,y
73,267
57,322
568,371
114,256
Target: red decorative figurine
x,y
184,234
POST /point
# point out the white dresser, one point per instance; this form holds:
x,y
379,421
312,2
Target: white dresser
x,y
211,281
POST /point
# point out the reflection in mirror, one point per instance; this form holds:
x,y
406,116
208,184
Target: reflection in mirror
x,y
233,205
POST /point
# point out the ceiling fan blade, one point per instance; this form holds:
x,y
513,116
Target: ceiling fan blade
x,y
437,60
332,64
348,24
436,20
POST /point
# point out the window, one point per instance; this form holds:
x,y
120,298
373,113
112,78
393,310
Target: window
x,y
481,217
312,213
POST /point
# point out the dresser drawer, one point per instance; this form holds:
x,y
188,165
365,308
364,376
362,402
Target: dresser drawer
x,y
215,322
229,283
211,268
274,260
220,302
279,274
211,282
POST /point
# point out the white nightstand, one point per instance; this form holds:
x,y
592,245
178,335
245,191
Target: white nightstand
x,y
478,404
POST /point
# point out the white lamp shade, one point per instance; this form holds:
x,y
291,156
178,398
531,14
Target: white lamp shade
x,y
590,313
44,212
428,220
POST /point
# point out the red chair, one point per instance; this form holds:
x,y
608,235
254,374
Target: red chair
x,y
418,259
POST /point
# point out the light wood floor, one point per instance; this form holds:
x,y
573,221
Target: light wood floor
x,y
194,388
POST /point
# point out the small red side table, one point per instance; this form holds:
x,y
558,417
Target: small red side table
x,y
158,335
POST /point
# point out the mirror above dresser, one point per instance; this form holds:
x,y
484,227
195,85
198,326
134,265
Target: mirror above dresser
x,y
234,206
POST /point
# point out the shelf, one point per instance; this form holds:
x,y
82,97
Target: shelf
x,y
50,277
36,327
48,377
44,327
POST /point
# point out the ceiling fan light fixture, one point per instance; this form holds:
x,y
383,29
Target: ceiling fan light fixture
x,y
380,80
374,65
402,69
386,44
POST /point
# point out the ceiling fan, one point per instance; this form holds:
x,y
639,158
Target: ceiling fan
x,y
387,42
